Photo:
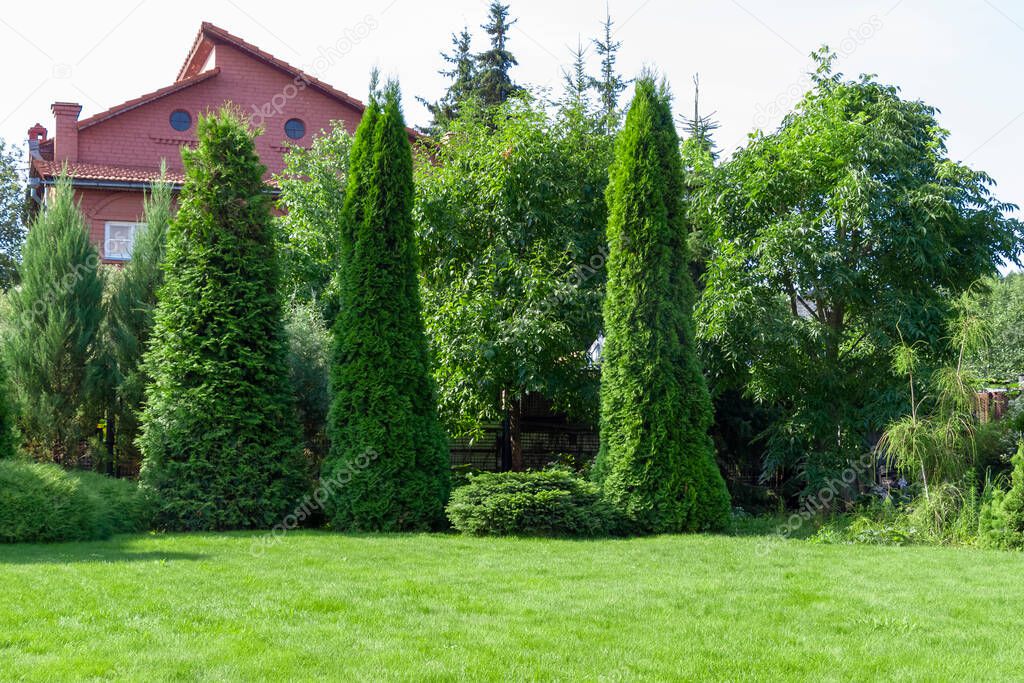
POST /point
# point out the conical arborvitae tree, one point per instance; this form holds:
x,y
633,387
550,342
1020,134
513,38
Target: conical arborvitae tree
x,y
388,467
219,439
56,315
657,461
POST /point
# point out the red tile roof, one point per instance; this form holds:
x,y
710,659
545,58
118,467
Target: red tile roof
x,y
144,99
104,172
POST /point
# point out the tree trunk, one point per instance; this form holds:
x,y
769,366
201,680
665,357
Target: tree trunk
x,y
515,432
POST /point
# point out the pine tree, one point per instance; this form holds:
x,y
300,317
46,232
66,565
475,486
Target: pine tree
x,y
389,459
462,75
219,438
493,83
130,321
657,462
56,312
610,84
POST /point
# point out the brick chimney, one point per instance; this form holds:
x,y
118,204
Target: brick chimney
x,y
36,134
65,146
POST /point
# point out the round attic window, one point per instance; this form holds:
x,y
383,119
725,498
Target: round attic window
x,y
295,129
181,120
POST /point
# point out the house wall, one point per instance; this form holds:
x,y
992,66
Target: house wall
x,y
143,136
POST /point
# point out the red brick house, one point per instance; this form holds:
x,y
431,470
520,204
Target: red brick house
x,y
113,156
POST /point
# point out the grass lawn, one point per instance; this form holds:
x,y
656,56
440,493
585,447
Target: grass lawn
x,y
325,606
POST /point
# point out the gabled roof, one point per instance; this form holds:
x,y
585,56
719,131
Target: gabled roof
x,y
209,35
145,99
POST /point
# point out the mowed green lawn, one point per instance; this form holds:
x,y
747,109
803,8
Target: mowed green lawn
x,y
443,607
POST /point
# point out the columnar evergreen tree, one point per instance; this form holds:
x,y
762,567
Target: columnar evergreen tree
x,y
219,439
389,459
56,315
493,84
130,321
657,461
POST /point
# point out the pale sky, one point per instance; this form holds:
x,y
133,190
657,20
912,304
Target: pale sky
x,y
964,57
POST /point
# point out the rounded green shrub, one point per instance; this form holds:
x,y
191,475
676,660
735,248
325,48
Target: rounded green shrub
x,y
544,503
41,503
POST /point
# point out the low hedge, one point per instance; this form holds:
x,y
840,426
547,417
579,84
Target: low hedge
x,y
44,503
542,503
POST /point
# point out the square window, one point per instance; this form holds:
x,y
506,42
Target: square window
x,y
119,239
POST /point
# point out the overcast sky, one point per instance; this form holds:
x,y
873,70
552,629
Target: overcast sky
x,y
964,57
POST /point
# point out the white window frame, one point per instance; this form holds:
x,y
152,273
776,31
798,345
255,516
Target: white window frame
x,y
120,256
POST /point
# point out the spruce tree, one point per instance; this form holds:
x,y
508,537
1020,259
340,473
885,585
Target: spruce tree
x,y
130,321
219,439
56,315
462,75
494,84
610,84
657,462
388,466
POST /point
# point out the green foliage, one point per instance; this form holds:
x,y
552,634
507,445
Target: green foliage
x,y
219,437
847,221
42,503
309,360
1002,523
7,447
463,76
610,85
12,216
130,318
313,195
511,230
545,503
657,461
1003,307
388,450
56,314
492,82
938,440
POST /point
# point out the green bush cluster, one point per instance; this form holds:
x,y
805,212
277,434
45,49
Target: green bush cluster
x,y
1002,520
542,503
44,503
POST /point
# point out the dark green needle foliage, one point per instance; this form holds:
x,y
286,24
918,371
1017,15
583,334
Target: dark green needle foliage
x,y
6,417
219,438
55,318
388,467
657,461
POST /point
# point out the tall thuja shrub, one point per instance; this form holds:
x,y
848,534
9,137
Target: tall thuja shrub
x,y
388,461
56,315
657,461
130,321
219,439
